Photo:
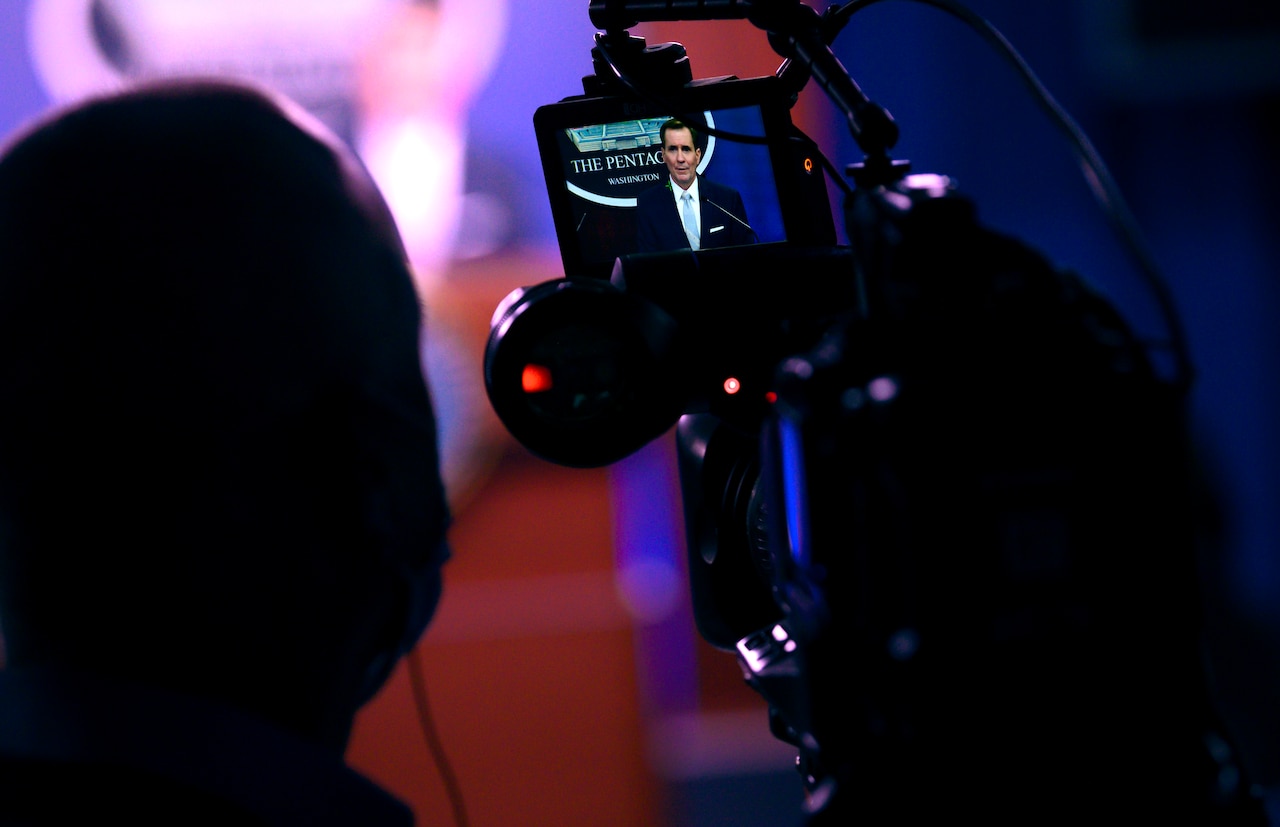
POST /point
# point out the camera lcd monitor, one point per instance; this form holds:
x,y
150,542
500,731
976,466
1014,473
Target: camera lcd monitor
x,y
600,153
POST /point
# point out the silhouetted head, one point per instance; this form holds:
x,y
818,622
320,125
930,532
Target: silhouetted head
x,y
218,460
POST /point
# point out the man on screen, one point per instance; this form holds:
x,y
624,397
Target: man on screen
x,y
687,211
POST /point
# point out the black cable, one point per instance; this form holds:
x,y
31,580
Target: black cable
x,y
1099,178
432,737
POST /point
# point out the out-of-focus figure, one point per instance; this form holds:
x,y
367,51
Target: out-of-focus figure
x,y
222,522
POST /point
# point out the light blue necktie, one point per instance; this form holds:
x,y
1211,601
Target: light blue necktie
x,y
690,223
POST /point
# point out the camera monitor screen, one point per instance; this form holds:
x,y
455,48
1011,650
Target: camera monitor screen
x,y
601,154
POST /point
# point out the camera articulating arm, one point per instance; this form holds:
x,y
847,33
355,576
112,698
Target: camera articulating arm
x,y
795,31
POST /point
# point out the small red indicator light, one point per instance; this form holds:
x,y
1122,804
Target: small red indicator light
x,y
732,385
535,378
770,397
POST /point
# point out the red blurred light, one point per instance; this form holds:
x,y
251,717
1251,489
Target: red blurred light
x,y
770,397
535,378
732,385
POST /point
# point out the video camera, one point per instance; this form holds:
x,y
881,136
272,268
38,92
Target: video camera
x,y
936,494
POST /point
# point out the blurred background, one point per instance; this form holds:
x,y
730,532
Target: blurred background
x,y
566,680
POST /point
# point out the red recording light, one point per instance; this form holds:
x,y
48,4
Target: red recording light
x,y
535,378
732,385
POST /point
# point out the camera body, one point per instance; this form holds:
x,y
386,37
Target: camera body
x,y
937,497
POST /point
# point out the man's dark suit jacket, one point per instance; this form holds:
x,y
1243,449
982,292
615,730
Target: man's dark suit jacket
x,y
724,219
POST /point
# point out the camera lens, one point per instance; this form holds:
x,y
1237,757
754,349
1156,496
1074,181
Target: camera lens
x,y
582,373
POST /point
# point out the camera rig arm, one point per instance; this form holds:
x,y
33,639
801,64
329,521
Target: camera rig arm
x,y
796,32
